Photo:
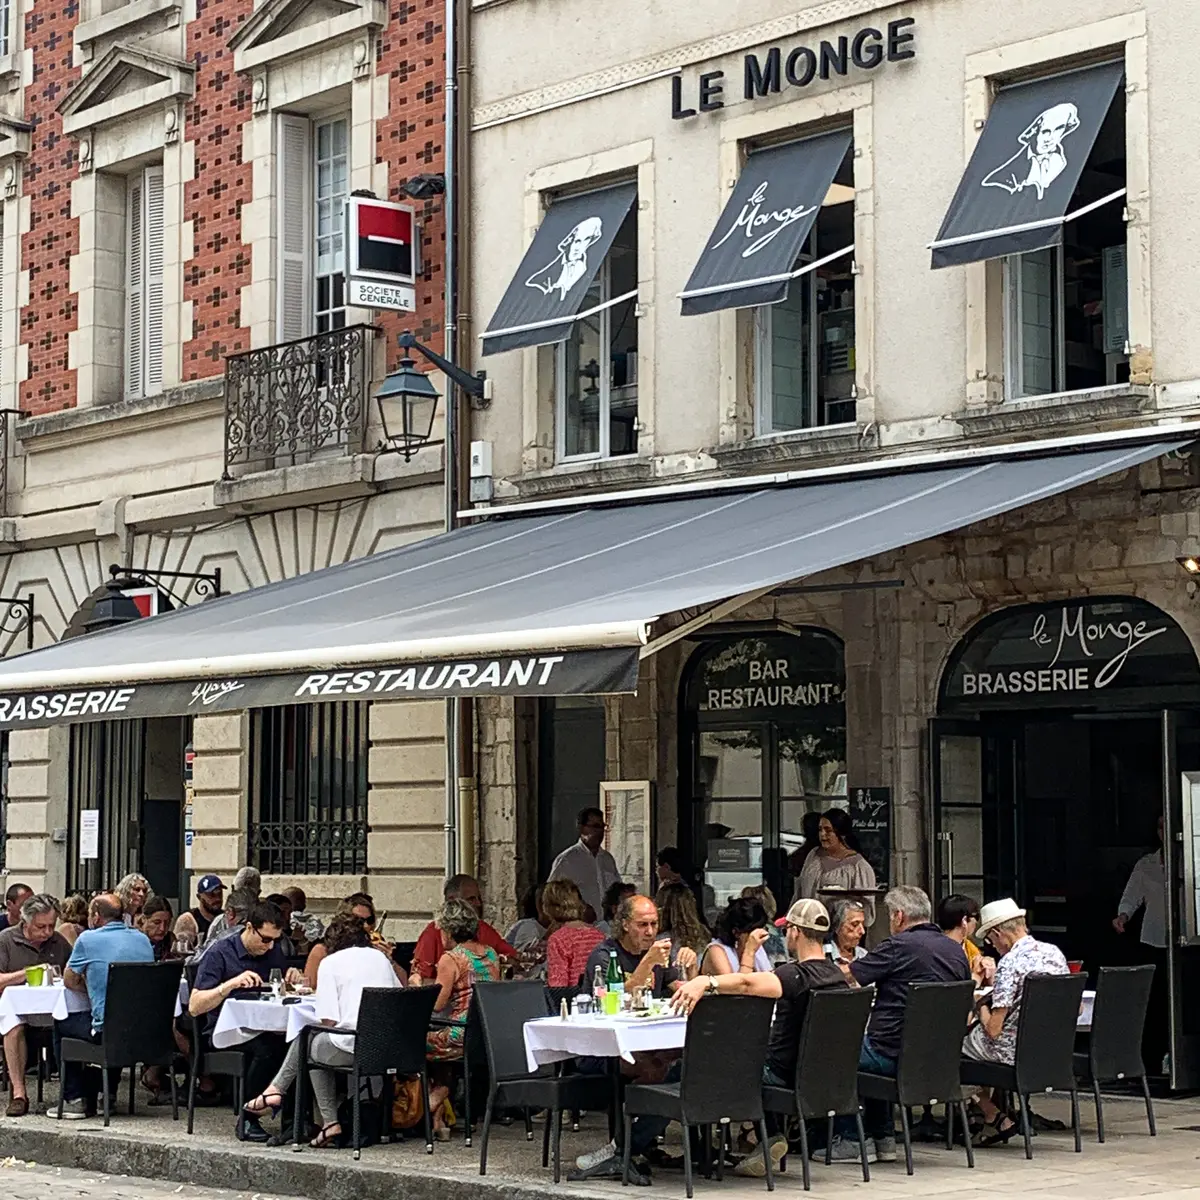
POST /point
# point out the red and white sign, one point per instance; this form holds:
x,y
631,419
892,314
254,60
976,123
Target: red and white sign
x,y
146,600
381,254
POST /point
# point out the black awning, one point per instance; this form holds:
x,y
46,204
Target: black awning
x,y
1017,188
545,295
750,257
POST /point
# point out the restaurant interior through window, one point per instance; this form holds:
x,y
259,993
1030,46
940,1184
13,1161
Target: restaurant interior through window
x,y
764,743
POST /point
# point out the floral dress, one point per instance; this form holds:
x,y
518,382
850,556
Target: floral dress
x,y
446,1042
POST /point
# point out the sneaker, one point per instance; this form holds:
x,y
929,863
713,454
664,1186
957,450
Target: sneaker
x,y
72,1110
754,1167
844,1150
609,1167
586,1161
885,1149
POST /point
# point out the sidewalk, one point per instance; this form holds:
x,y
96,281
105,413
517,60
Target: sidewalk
x,y
1131,1163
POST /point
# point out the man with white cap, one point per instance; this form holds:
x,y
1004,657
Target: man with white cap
x,y
993,1038
791,984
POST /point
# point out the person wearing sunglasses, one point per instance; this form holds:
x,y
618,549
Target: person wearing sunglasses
x,y
236,965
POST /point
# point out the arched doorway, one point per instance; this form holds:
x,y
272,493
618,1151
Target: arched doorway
x,y
763,741
1065,731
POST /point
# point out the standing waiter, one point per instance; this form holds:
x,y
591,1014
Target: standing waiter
x,y
1147,888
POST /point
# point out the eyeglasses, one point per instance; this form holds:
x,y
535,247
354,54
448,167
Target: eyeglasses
x,y
262,937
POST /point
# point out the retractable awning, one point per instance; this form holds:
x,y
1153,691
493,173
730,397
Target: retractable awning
x,y
1015,194
544,298
548,604
751,256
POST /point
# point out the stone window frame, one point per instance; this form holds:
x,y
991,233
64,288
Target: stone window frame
x,y
15,142
539,378
984,315
130,17
736,327
312,74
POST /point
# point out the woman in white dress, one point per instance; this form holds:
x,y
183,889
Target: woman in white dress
x,y
837,864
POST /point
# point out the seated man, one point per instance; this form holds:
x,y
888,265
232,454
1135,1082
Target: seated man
x,y
431,945
31,941
994,1037
192,926
917,952
107,940
790,984
645,960
16,895
240,963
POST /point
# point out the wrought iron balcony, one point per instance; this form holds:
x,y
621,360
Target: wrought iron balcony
x,y
296,401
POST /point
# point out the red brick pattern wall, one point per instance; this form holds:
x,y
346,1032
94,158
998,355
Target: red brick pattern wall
x,y
409,139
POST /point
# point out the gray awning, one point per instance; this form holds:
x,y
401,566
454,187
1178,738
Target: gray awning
x,y
1017,189
535,605
547,292
751,256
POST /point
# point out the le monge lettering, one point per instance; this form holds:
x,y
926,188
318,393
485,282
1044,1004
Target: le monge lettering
x,y
768,72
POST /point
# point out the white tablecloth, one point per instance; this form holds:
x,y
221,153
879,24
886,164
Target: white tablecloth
x,y
19,1000
553,1039
241,1020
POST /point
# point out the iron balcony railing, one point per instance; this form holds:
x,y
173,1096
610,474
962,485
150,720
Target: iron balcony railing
x,y
296,401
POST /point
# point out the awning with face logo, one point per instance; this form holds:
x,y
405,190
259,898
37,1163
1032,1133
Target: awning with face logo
x,y
750,258
1019,184
546,294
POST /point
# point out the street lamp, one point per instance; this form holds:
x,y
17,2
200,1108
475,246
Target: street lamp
x,y
407,399
115,608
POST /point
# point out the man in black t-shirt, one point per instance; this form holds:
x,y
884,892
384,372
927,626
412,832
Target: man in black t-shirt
x,y
644,957
790,985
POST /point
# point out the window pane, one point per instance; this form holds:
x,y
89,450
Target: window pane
x,y
581,384
1036,305
790,383
729,787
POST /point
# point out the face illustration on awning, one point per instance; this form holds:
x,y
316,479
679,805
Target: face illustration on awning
x,y
1017,191
751,254
544,298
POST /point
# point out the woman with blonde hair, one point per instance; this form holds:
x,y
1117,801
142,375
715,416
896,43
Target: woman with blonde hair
x,y
133,891
679,919
571,938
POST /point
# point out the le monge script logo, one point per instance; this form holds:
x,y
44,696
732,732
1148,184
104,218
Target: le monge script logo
x,y
210,693
1109,643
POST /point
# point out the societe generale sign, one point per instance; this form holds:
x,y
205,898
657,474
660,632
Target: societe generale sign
x,y
382,252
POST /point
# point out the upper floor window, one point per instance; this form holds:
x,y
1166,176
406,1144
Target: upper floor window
x,y
144,246
6,19
314,184
596,378
804,364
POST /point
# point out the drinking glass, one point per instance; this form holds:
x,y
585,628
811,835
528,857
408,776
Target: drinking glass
x,y
276,982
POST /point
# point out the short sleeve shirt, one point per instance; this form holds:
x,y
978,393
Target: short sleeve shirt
x,y
628,962
95,950
798,980
17,953
227,959
1027,957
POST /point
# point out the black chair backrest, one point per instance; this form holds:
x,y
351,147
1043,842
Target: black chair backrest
x,y
723,1056
556,995
503,1010
935,1022
1049,1009
1118,1018
402,954
392,1023
830,1043
139,1010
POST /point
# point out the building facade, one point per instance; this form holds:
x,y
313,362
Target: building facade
x,y
188,390
990,263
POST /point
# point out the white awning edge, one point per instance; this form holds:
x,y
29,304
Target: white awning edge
x,y
1027,226
578,637
763,280
566,320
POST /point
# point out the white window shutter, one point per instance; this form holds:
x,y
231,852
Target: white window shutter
x,y
135,282
294,172
153,243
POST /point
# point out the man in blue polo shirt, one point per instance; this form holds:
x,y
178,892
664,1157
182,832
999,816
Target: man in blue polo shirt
x,y
107,940
237,964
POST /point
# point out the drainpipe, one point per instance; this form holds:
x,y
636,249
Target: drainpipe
x,y
450,465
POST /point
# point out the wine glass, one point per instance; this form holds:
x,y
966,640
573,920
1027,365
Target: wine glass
x,y
276,982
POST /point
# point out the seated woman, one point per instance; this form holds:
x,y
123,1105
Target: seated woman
x,y
72,918
155,922
775,945
571,939
731,951
358,905
350,963
679,919
464,962
847,928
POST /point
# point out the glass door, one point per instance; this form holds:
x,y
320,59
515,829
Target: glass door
x,y
1181,838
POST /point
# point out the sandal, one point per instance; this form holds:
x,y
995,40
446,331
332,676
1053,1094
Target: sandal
x,y
326,1137
995,1134
264,1105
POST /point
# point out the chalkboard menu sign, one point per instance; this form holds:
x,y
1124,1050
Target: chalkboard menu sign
x,y
871,813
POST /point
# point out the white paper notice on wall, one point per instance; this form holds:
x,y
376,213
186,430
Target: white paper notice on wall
x,y
188,837
89,834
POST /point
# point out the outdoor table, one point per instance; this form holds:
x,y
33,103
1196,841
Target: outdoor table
x,y
242,1020
19,1001
1084,1021
551,1039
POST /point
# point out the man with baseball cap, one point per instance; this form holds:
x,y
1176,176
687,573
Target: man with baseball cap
x,y
790,984
193,925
